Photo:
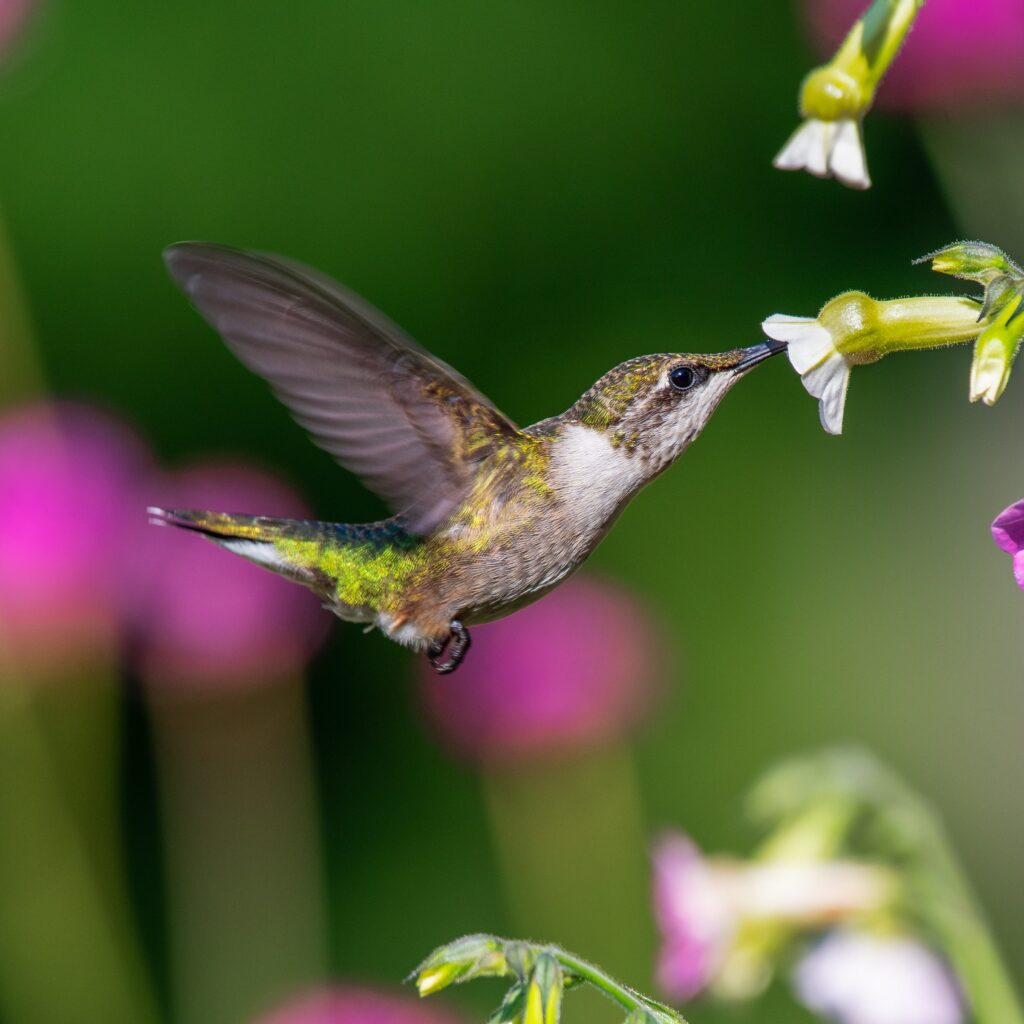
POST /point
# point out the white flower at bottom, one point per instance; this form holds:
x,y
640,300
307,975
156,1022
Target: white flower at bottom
x,y
859,978
827,149
823,368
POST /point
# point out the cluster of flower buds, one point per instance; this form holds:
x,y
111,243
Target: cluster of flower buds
x,y
841,887
1003,281
835,97
540,976
854,329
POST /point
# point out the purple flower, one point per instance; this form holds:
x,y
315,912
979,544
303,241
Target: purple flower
x,y
68,486
1008,533
960,52
350,1005
204,616
860,978
575,669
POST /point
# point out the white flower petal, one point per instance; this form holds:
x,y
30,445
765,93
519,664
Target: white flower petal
x,y
818,157
807,342
802,147
828,383
847,159
857,978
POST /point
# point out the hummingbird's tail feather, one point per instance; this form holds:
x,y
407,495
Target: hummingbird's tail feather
x,y
256,538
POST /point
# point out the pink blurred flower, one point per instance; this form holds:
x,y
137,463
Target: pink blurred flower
x,y
693,918
68,488
13,15
960,52
574,669
1008,533
704,906
344,1005
204,616
859,978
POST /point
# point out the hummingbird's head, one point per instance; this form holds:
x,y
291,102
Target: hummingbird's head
x,y
655,406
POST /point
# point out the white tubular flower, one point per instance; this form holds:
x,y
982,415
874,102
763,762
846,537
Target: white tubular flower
x,y
856,977
853,329
835,97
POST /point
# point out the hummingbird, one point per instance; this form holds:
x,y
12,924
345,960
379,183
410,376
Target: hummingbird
x,y
487,516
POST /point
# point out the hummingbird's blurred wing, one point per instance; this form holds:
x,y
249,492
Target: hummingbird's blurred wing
x,y
406,423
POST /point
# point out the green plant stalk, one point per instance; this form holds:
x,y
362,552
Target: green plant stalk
x,y
950,909
629,999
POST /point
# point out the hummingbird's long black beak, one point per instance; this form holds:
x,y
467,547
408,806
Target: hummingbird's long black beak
x,y
759,353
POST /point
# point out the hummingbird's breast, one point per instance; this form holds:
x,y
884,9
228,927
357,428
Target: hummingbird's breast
x,y
526,532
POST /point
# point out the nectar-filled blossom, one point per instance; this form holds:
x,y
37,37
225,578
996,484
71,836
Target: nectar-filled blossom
x,y
357,1005
835,98
69,485
575,669
1008,533
856,977
962,54
707,909
205,617
853,329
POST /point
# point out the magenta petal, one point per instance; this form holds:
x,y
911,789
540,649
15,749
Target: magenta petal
x,y
68,494
1018,568
350,1005
692,921
13,15
1008,528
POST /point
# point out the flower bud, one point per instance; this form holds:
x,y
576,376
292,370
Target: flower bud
x,y
994,353
544,992
475,956
971,261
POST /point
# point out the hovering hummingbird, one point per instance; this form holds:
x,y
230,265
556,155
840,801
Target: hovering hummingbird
x,y
488,516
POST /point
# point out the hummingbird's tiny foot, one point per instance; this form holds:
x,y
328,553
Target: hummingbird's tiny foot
x,y
457,643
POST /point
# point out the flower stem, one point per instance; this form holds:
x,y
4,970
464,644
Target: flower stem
x,y
951,909
626,997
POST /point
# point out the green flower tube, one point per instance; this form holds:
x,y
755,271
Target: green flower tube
x,y
854,329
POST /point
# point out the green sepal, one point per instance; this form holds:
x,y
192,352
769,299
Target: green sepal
x,y
511,1009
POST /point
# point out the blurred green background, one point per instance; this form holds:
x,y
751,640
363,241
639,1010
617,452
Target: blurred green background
x,y
537,191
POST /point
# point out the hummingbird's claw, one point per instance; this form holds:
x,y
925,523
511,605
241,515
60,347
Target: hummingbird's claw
x,y
456,643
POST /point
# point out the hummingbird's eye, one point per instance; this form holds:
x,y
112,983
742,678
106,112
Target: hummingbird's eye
x,y
682,378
